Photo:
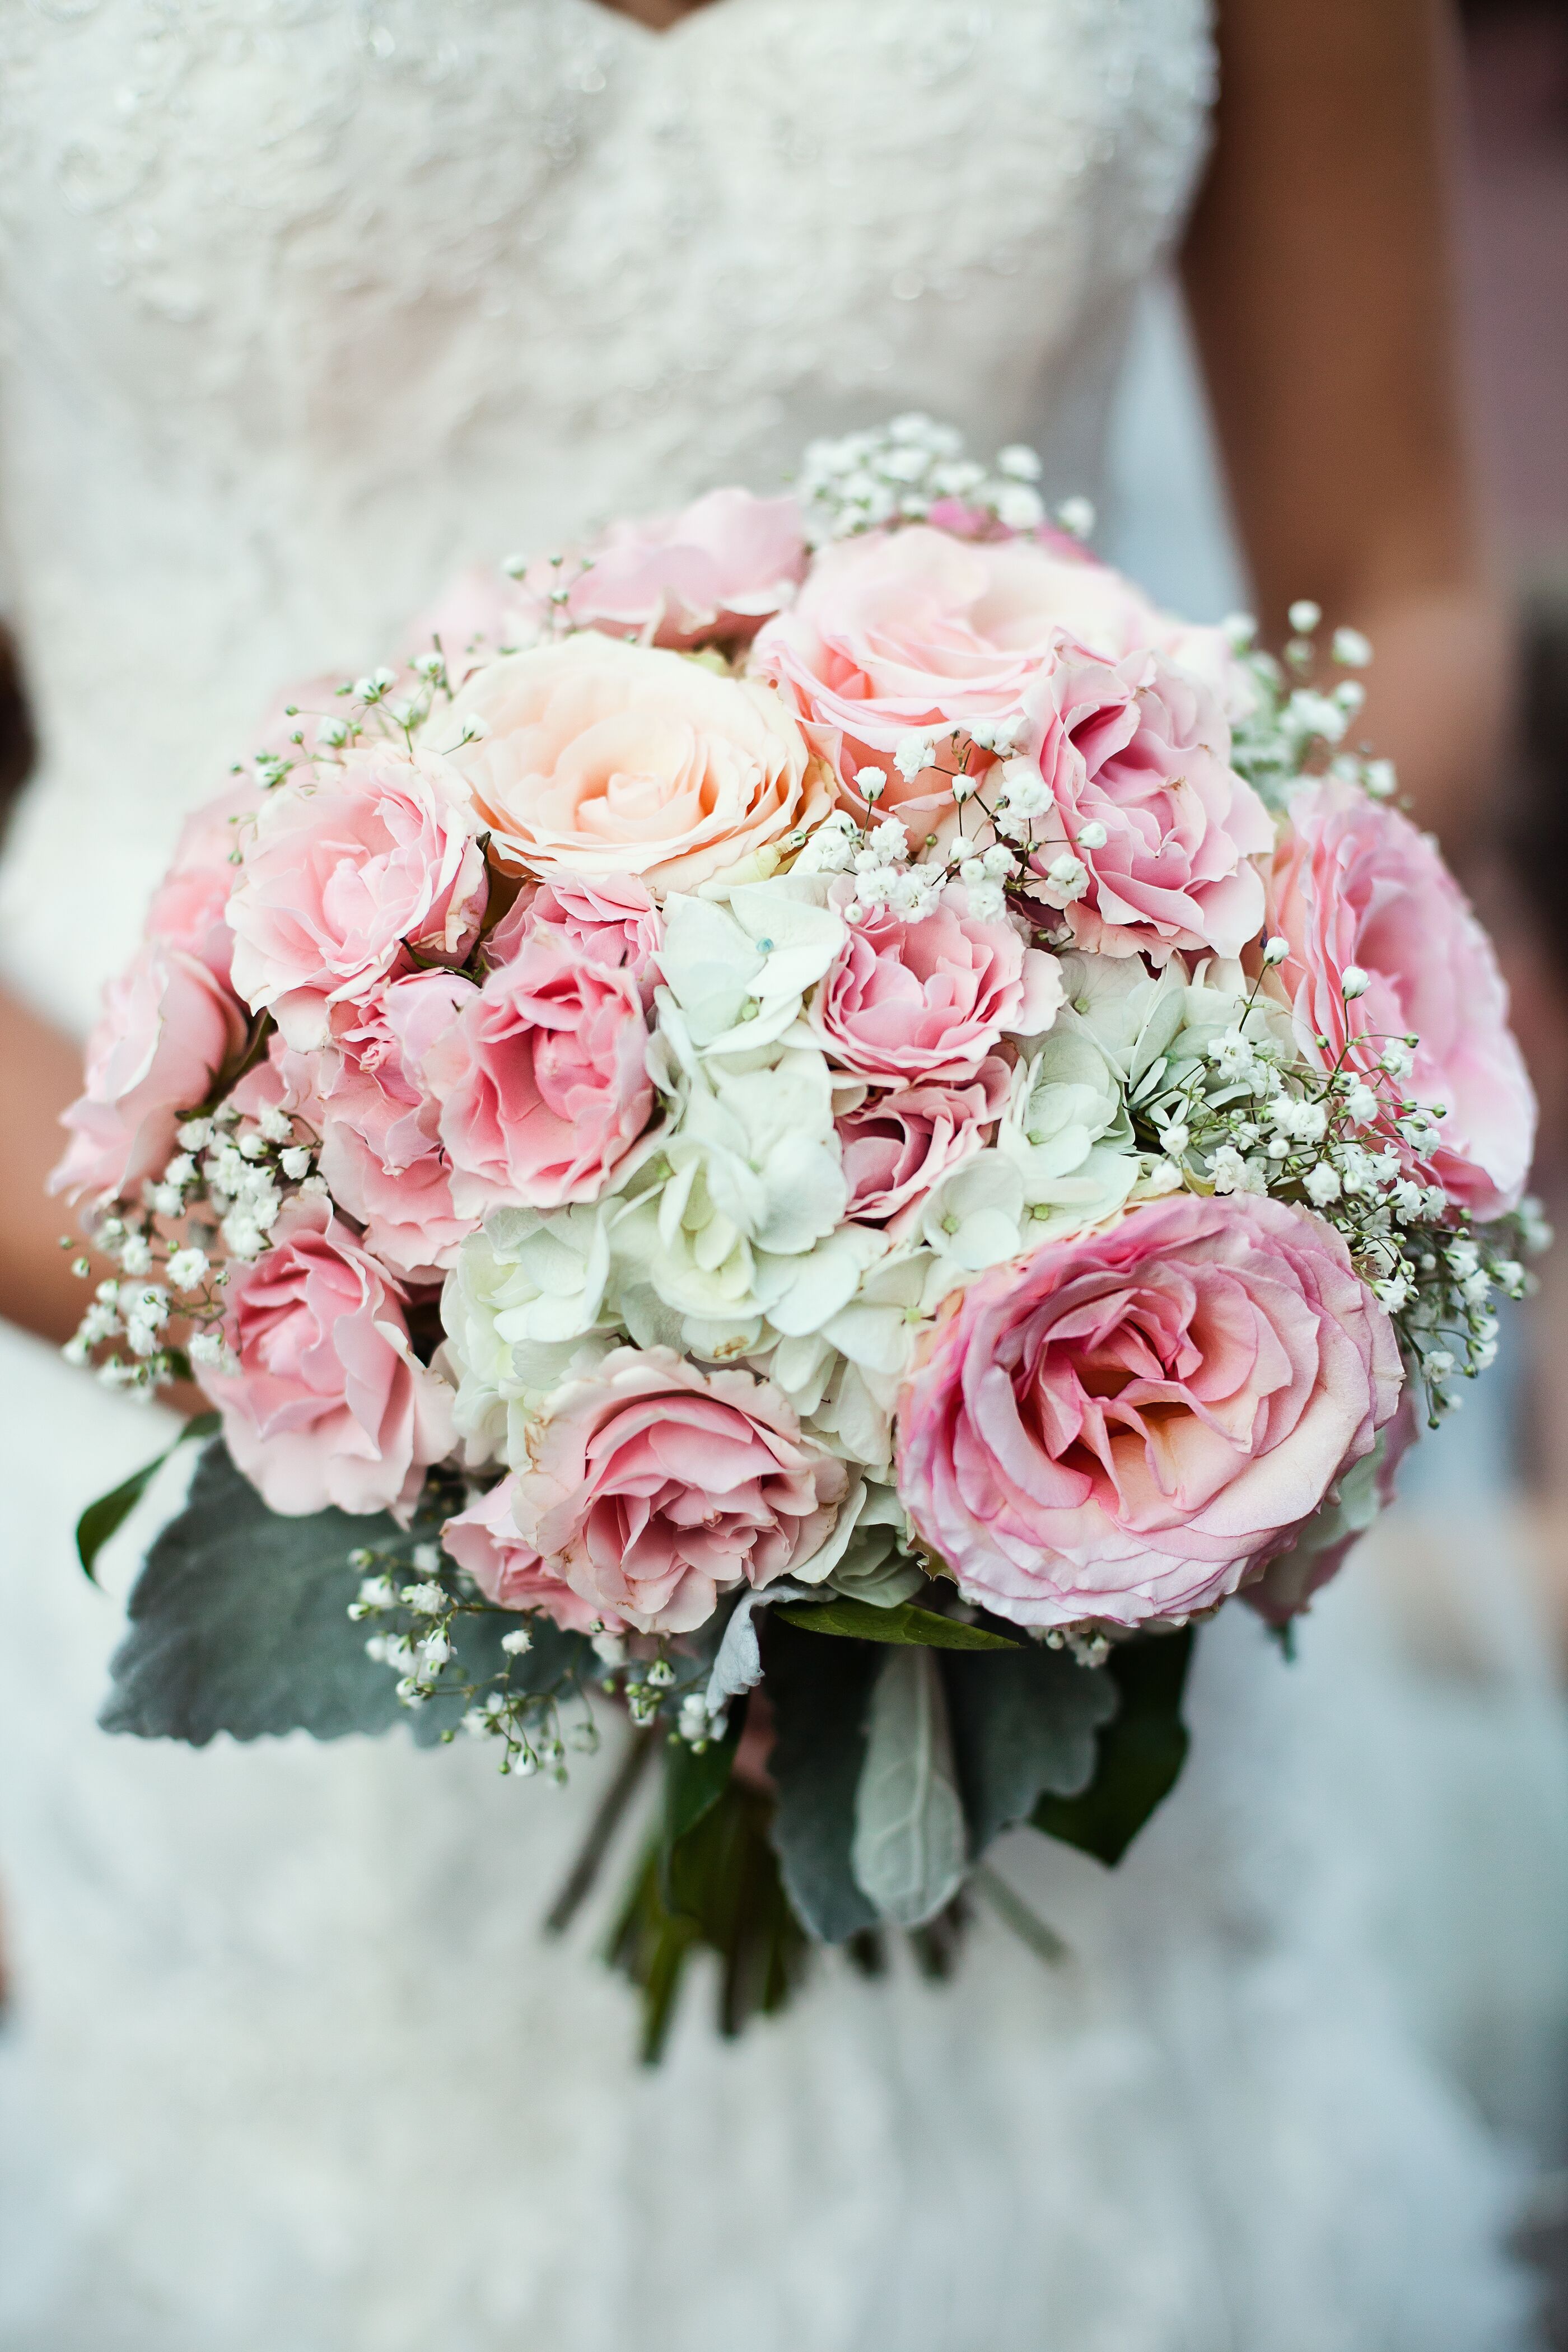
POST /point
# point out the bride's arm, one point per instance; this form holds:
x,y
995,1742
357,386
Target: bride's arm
x,y
1319,269
42,1075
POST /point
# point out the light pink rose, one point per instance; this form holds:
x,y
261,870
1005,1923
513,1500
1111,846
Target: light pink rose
x,y
1323,1544
330,1405
917,632
606,759
1356,886
484,1540
167,1029
923,1003
542,1079
896,1146
1141,751
1126,1427
349,867
190,906
717,568
655,1487
379,1123
613,918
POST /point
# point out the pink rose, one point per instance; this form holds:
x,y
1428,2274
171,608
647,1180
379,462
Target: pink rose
x,y
1141,751
655,1487
542,1079
1322,1545
167,1029
923,1003
330,1405
1126,1426
915,632
190,906
484,1540
613,918
603,759
349,866
896,1146
1356,887
380,1148
715,569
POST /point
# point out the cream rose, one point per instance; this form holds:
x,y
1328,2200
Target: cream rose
x,y
595,758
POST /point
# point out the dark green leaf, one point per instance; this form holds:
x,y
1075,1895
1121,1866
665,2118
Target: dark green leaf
x,y
109,1514
1141,1750
861,1621
821,1694
693,1784
1021,1725
725,1892
239,1623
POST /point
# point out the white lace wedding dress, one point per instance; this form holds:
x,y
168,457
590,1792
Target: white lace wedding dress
x,y
305,302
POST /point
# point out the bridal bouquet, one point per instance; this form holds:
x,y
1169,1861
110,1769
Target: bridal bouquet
x,y
802,1139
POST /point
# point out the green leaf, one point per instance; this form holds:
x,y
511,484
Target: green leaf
x,y
1023,1726
723,1892
908,1853
693,1784
238,1622
109,1514
1141,1750
820,1696
860,1620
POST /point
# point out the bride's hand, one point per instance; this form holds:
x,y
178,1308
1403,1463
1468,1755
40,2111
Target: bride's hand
x,y
42,1075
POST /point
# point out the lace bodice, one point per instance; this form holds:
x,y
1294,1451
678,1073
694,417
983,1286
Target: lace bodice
x,y
305,302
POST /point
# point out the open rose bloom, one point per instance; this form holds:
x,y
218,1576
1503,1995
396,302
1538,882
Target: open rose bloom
x,y
811,1096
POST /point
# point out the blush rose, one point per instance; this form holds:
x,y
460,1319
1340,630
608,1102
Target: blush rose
x,y
543,1077
348,868
1356,887
613,918
330,1405
379,1122
167,1028
915,632
598,758
923,1003
717,568
655,1489
484,1540
896,1145
1126,1427
1140,751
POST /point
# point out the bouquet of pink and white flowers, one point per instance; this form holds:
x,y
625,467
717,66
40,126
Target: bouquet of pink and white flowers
x,y
810,1103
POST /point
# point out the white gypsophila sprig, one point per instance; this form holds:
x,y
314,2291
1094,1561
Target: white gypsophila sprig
x,y
897,472
420,1603
216,1201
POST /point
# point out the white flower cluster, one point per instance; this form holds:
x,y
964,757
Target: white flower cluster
x,y
216,1200
419,1604
900,471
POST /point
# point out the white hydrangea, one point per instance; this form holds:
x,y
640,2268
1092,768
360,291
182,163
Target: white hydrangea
x,y
742,1217
1067,1132
738,972
527,1291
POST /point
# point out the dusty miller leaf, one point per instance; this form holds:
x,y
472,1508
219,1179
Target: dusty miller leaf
x,y
238,1622
909,1848
820,1691
1023,1724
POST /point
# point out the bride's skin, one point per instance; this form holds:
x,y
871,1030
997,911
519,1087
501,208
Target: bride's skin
x,y
1317,266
